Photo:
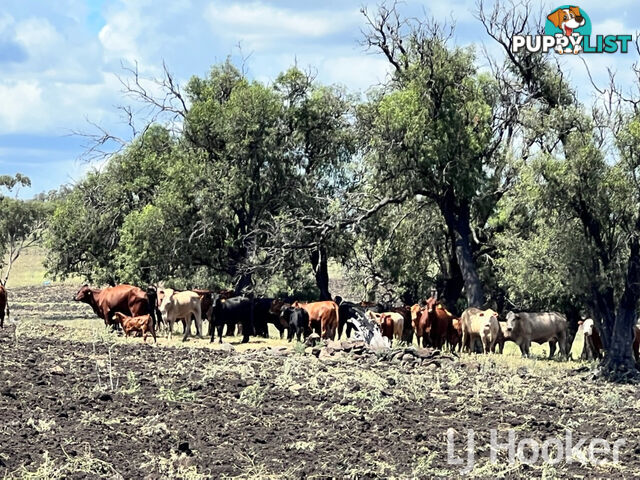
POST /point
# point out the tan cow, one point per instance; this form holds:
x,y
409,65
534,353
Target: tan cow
x,y
479,324
396,318
177,305
524,328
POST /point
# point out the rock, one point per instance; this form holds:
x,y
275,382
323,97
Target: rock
x,y
57,370
325,353
407,357
333,345
316,351
424,352
226,347
308,350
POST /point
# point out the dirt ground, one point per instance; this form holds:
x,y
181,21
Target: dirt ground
x,y
105,407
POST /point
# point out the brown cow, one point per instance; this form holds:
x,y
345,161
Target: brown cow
x,y
323,317
3,305
395,327
437,323
416,313
126,299
142,324
387,326
592,342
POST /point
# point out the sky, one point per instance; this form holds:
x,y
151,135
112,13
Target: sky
x,y
60,62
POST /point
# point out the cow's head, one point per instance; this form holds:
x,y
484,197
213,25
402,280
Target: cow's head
x,y
285,314
513,321
276,306
416,311
431,304
373,316
118,317
83,295
167,297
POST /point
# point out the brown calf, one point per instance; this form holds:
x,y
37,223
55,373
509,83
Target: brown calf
x,y
142,324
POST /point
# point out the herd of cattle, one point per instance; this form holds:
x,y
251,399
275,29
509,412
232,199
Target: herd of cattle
x,y
144,311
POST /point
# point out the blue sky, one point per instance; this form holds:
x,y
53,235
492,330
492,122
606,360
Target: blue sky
x,y
59,61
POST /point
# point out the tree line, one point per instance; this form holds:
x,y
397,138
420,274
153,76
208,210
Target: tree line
x,y
496,185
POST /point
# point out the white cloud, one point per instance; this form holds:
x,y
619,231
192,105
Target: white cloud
x,y
37,35
255,21
21,102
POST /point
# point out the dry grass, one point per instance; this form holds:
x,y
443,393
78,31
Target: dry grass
x,y
29,271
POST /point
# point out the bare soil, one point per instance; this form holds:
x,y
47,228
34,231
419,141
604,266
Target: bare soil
x,y
105,409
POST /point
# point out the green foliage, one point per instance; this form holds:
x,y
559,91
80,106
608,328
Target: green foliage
x,y
211,204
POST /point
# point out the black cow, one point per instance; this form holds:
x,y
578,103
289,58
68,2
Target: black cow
x,y
252,314
230,311
298,321
263,316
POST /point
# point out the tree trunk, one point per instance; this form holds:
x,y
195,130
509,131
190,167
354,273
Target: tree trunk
x,y
458,220
619,364
453,285
618,330
320,268
573,317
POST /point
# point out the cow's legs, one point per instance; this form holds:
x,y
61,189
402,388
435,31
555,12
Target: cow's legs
x,y
465,339
152,329
187,329
198,316
552,348
231,327
562,344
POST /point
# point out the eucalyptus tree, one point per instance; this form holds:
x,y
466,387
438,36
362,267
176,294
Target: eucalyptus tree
x,y
439,129
585,173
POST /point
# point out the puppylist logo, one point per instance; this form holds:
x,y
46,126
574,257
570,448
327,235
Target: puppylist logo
x,y
568,30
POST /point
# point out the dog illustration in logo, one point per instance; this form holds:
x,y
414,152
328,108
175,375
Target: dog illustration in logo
x,y
567,20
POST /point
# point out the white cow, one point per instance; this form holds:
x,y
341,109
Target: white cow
x,y
524,328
